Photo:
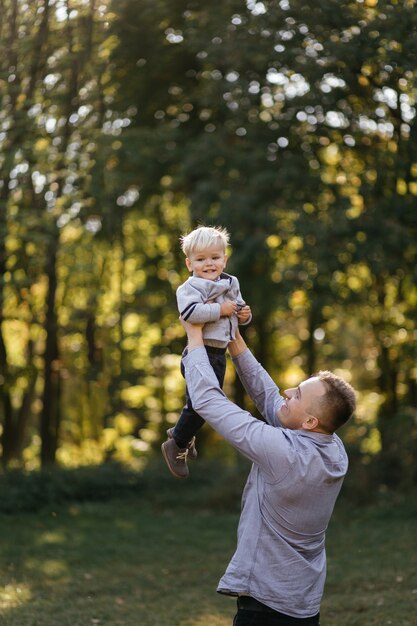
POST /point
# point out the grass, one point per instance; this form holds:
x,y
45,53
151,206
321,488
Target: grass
x,y
372,564
154,558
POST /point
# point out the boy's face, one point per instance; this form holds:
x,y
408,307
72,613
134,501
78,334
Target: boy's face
x,y
207,263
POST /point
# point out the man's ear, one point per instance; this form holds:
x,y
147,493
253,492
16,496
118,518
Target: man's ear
x,y
310,423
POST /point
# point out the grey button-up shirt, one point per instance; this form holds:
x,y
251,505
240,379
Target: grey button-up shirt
x,y
289,496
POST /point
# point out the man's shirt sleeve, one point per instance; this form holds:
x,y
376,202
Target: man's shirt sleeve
x,y
259,386
256,440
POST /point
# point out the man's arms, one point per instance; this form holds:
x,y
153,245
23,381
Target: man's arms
x,y
195,339
194,334
237,346
257,382
257,441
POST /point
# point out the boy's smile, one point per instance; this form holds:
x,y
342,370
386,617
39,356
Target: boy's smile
x,y
207,263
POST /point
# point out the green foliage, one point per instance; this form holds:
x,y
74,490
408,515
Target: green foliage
x,y
291,124
33,491
203,490
37,490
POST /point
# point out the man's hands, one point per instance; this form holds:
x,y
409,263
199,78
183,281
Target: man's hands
x,y
237,346
194,334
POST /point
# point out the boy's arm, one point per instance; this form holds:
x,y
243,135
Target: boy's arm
x,y
192,308
201,313
244,313
256,380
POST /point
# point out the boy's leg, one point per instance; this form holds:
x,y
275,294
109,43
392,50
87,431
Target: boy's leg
x,y
179,446
217,358
180,443
190,422
176,458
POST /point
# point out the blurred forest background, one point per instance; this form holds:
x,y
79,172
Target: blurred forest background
x,y
125,124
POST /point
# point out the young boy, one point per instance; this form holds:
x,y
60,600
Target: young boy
x,y
210,297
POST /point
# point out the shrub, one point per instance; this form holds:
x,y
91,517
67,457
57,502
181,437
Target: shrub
x,y
32,491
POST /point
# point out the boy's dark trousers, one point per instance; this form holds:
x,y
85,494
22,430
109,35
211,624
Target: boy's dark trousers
x,y
190,422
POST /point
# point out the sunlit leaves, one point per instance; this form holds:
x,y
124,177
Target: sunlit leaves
x,y
290,123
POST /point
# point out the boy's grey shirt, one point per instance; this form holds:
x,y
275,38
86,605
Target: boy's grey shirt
x,y
289,496
194,305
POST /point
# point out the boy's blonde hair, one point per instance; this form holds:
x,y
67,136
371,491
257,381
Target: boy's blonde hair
x,y
204,237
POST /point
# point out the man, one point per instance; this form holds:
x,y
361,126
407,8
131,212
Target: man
x,y
279,567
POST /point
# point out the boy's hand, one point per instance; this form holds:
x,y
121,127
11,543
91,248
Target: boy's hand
x,y
244,314
228,308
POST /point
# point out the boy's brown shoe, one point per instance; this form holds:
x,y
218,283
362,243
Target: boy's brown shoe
x,y
176,458
192,450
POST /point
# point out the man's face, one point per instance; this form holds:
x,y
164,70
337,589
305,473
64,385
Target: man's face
x,y
302,404
208,263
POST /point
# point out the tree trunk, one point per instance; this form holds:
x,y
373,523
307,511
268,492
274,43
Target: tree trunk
x,y
50,417
6,411
391,462
22,416
14,423
313,320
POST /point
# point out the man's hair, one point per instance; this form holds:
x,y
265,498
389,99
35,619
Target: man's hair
x,y
339,401
204,237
